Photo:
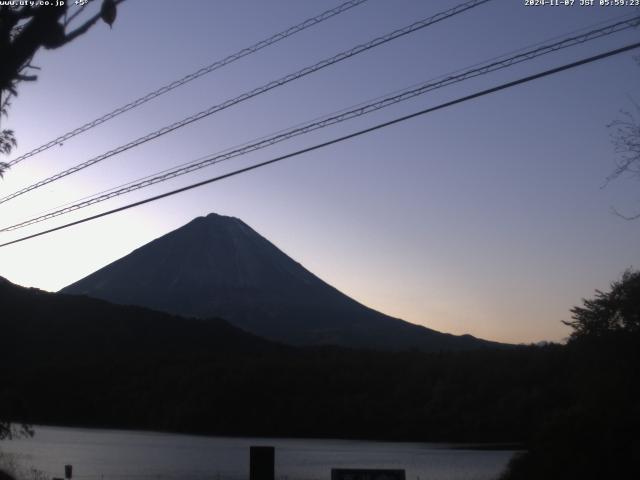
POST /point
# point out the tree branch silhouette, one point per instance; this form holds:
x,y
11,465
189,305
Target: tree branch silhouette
x,y
23,31
625,137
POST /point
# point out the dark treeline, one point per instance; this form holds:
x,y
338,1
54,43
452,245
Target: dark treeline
x,y
596,432
78,361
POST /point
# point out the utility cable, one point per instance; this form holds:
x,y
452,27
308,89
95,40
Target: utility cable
x,y
338,140
362,109
257,91
192,76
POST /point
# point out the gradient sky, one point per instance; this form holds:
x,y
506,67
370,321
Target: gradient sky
x,y
485,218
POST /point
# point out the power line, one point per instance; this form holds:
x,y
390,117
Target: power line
x,y
310,22
575,32
257,91
338,140
329,120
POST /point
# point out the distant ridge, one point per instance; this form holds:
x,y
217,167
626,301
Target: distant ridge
x,y
217,266
33,320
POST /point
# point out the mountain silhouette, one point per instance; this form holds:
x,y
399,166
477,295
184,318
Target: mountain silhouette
x,y
39,326
217,266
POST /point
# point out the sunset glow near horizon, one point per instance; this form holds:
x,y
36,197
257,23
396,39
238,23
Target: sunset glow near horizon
x,y
488,218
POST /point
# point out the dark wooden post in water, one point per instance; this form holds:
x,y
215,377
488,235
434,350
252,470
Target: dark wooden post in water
x,y
68,471
262,463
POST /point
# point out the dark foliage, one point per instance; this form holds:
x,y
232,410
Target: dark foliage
x,y
24,29
615,311
5,476
596,435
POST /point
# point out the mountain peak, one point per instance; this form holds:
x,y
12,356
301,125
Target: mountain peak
x,y
213,223
216,217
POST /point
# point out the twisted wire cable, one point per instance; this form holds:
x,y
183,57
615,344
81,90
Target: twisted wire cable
x,y
192,76
334,141
334,119
257,91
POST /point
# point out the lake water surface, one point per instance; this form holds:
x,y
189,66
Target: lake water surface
x,y
120,455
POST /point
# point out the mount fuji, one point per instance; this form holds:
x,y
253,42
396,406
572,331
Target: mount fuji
x,y
218,266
